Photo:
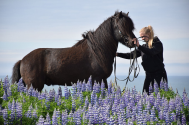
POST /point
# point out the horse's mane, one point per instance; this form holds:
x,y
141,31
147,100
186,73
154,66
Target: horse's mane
x,y
101,42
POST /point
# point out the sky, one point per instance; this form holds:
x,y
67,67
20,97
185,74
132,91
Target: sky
x,y
28,25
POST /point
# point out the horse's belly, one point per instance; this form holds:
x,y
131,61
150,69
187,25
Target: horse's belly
x,y
68,67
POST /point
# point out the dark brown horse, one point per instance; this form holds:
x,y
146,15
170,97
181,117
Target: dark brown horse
x,y
93,55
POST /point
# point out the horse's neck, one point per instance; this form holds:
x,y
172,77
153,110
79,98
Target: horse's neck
x,y
105,51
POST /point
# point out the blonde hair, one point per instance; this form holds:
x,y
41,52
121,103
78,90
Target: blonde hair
x,y
148,30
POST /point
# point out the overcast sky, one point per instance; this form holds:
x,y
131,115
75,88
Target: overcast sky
x,y
28,25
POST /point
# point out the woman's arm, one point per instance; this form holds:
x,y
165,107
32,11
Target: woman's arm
x,y
157,48
129,55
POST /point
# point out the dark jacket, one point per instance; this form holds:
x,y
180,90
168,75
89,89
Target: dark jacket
x,y
152,59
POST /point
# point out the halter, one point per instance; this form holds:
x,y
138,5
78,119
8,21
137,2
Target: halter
x,y
125,37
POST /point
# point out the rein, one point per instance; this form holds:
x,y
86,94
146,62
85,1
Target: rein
x,y
133,66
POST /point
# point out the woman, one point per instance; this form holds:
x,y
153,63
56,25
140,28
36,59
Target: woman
x,y
152,57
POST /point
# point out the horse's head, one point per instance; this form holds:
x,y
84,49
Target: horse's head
x,y
123,29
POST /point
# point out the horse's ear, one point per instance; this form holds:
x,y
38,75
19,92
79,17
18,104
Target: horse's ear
x,y
127,13
119,15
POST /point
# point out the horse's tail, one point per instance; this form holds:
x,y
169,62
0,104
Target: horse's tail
x,y
16,72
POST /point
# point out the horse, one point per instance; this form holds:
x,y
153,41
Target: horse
x,y
91,56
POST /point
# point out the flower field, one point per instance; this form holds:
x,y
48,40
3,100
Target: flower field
x,y
88,105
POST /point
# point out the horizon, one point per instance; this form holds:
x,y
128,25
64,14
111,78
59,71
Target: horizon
x,y
28,25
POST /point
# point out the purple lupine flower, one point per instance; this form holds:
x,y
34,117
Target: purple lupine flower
x,y
134,92
9,92
28,113
165,85
127,112
178,111
56,98
5,98
162,84
138,96
64,117
88,87
9,105
39,96
51,95
152,115
171,105
90,113
100,100
96,115
120,121
101,121
59,101
6,84
47,101
5,116
81,97
44,94
122,104
83,86
156,87
74,87
20,87
173,117
30,90
166,107
98,87
109,88
48,119
139,107
158,99
114,106
183,119
161,115
33,92
93,94
130,122
19,110
112,121
152,99
90,83
77,85
148,107
58,116
94,86
34,113
47,123
54,118
86,101
150,89
102,89
41,120
167,118
85,121
12,115
73,104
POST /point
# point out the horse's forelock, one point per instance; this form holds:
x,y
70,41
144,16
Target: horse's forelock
x,y
126,24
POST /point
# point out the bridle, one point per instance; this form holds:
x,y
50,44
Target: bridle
x,y
133,63
124,37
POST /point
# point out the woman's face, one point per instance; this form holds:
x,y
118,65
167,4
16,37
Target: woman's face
x,y
144,36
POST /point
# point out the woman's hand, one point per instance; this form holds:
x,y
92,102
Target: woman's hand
x,y
136,42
